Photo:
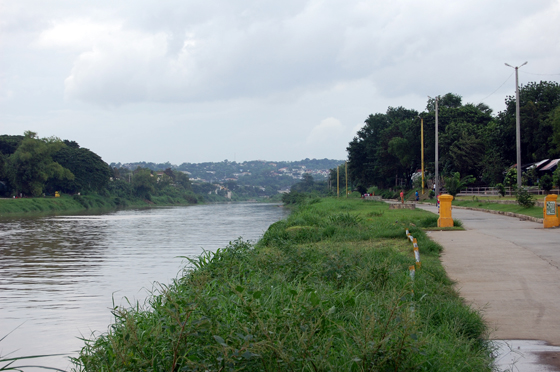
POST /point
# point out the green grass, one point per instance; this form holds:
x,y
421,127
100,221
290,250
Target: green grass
x,y
515,208
328,289
486,203
38,205
66,203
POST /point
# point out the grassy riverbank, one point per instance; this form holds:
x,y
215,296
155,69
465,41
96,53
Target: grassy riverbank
x,y
328,289
76,203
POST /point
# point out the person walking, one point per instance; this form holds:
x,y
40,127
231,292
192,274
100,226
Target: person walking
x,y
417,196
402,197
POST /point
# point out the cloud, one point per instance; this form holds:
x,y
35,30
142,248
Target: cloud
x,y
220,74
77,34
330,129
221,50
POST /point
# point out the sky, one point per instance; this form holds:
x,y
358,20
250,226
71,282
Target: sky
x,y
208,80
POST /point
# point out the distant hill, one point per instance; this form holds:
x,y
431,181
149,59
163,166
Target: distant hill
x,y
267,177
219,171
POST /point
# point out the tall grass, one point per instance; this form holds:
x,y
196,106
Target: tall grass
x,y
328,289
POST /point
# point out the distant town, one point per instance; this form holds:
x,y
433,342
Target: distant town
x,y
267,177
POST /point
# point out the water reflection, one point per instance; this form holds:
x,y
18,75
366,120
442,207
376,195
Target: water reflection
x,y
59,275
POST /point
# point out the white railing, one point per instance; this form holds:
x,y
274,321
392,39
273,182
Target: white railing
x,y
493,191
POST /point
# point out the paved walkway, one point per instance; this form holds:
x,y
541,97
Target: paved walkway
x,y
508,268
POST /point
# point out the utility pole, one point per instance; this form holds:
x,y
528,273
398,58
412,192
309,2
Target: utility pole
x,y
422,140
517,124
337,182
346,168
437,152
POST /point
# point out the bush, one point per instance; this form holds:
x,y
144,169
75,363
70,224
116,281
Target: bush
x,y
511,177
545,183
455,183
556,176
293,197
373,190
80,199
501,189
388,194
524,198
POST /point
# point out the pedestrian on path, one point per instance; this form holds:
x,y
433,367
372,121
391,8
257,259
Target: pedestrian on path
x,y
402,197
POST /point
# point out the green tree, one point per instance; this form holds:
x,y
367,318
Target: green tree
x,y
182,179
90,171
31,165
143,182
376,155
554,121
537,102
556,177
455,183
9,144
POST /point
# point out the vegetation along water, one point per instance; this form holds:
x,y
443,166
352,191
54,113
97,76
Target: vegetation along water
x,y
327,289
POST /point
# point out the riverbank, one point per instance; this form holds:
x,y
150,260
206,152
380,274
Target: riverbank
x,y
10,207
327,289
77,203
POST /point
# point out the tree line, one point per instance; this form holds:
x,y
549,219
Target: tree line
x,y
34,166
472,141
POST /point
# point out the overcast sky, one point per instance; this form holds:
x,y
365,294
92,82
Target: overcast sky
x,y
208,80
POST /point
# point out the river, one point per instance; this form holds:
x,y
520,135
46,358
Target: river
x,y
60,275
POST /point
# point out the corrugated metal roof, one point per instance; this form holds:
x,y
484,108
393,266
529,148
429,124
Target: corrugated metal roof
x,y
550,165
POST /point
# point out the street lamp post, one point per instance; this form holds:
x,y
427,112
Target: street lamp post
x,y
422,146
517,123
437,151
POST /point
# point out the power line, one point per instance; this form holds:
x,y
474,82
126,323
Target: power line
x,y
524,72
481,101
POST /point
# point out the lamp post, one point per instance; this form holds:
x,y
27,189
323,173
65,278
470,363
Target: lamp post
x,y
346,170
517,123
338,182
437,152
422,145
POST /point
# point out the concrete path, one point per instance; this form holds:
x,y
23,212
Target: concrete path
x,y
508,268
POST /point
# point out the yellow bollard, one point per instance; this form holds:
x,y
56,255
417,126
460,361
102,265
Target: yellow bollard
x,y
445,219
550,212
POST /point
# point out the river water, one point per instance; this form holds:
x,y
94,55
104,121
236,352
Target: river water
x,y
59,275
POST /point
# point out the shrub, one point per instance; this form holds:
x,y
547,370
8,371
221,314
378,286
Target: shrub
x,y
293,197
80,199
455,183
556,177
524,198
545,183
511,177
501,189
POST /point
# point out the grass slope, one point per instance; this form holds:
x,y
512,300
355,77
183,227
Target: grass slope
x,y
67,203
328,289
